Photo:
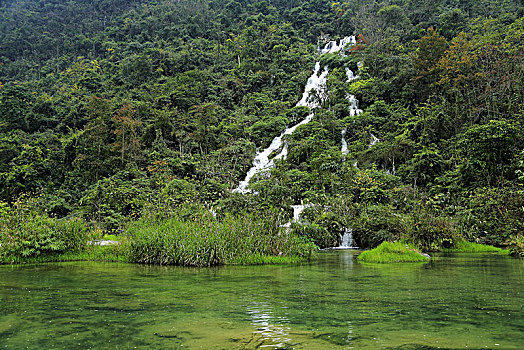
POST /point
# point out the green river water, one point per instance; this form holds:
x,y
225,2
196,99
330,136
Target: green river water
x,y
462,301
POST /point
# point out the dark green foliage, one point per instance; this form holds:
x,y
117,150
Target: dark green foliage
x,y
490,151
319,235
112,201
494,215
431,232
516,247
376,224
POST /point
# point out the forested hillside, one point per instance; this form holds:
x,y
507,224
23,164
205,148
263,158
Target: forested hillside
x,y
113,110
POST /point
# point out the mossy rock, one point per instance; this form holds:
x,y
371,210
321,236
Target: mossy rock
x,y
393,252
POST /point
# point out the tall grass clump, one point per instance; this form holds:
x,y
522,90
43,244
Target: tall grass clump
x,y
392,252
29,235
202,240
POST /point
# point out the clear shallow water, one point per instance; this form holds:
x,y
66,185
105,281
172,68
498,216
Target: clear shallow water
x,y
473,301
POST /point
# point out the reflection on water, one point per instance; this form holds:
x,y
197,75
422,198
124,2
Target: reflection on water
x,y
272,330
459,301
349,337
346,259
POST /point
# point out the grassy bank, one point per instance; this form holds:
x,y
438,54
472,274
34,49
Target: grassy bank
x,y
392,252
389,252
95,253
204,241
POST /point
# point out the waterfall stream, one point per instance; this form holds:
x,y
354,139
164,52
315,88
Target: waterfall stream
x,y
344,149
262,161
347,239
353,110
315,82
374,140
297,210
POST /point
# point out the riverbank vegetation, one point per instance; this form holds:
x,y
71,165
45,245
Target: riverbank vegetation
x,y
471,247
186,237
156,106
516,247
201,240
29,235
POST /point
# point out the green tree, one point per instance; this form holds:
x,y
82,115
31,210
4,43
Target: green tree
x,y
489,152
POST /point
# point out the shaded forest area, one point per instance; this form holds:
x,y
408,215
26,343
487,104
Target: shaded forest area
x,y
112,110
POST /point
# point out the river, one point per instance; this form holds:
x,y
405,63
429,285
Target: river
x,y
460,301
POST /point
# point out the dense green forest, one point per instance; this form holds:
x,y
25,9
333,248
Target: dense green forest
x,y
116,112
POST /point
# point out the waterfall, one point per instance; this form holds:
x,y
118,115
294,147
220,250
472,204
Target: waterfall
x,y
353,105
350,74
353,109
315,82
332,46
347,239
344,149
297,210
374,140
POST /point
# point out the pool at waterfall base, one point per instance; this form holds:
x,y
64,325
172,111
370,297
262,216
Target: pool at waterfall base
x,y
456,301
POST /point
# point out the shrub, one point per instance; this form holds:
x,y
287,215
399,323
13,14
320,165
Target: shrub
x,y
516,247
494,215
25,233
113,201
375,224
430,232
319,235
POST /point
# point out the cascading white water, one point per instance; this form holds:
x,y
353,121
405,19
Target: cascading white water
x,y
344,149
353,109
315,82
374,140
350,75
347,239
353,105
297,210
333,47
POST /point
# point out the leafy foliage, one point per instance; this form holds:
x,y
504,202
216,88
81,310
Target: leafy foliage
x,y
26,233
